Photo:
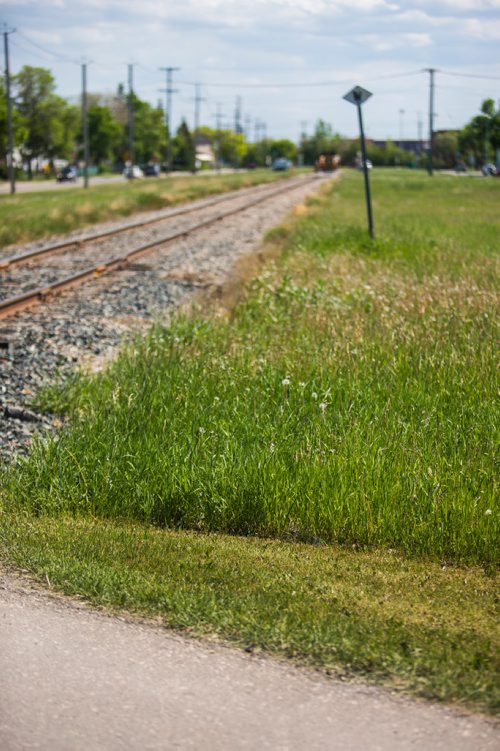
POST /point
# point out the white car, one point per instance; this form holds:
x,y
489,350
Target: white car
x,y
132,171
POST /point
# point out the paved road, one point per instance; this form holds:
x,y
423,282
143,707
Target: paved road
x,y
75,679
41,185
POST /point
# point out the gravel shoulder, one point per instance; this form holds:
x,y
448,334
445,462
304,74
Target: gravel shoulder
x,y
73,678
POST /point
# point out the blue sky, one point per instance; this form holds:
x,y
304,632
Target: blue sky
x,y
291,61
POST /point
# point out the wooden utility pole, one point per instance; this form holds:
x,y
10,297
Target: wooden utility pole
x,y
10,136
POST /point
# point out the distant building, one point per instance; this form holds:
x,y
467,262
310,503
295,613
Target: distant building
x,y
204,151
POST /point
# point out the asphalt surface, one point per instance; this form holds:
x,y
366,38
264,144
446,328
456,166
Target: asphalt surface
x,y
25,186
75,679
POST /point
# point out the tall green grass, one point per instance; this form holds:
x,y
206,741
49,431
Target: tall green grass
x,y
349,398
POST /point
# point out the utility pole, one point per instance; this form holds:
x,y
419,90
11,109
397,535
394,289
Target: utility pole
x,y
302,138
10,137
257,130
198,99
248,126
85,127
218,123
237,116
431,72
401,127
131,115
168,119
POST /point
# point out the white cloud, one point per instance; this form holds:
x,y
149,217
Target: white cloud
x,y
485,30
476,6
418,40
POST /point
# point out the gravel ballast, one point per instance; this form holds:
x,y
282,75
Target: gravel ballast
x,y
85,325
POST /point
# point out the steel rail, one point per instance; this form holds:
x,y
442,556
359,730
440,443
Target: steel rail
x,y
12,305
15,261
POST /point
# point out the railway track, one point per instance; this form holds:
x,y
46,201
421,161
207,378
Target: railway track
x,y
66,264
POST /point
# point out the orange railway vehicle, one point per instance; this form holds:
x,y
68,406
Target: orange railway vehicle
x,y
327,163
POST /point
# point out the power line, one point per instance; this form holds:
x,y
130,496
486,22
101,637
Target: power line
x,y
468,75
47,51
305,84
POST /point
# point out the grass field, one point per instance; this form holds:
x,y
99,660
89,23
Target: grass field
x,y
31,216
345,406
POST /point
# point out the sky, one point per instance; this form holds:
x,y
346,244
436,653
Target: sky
x,y
290,61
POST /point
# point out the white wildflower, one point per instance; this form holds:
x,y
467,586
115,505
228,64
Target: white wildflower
x,y
285,381
201,430
322,406
488,512
314,395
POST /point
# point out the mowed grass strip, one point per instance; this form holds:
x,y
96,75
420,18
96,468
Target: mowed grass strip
x,y
416,626
31,216
349,400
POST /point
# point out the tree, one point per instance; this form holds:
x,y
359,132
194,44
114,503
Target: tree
x,y
50,121
150,136
445,149
18,128
322,141
183,148
284,148
481,136
105,134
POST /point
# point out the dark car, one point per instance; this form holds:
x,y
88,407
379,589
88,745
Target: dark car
x,y
151,170
67,174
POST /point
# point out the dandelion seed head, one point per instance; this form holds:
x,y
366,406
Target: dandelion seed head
x,y
285,381
322,406
314,395
488,512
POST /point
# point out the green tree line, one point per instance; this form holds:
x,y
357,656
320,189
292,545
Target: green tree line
x,y
47,127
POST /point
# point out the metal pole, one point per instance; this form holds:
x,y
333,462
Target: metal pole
x,y
365,172
197,102
85,127
10,142
168,102
218,134
169,120
430,165
130,114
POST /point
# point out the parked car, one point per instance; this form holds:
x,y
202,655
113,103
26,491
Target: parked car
x,y
151,170
489,169
133,171
67,174
369,165
281,164
461,167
